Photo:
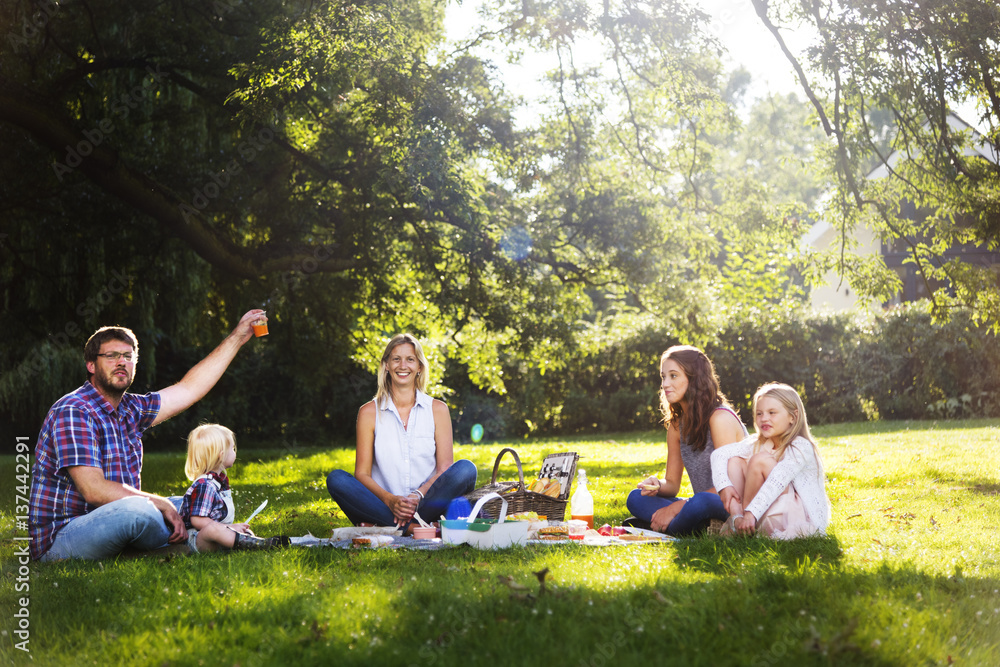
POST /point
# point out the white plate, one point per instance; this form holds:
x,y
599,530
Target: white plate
x,y
648,533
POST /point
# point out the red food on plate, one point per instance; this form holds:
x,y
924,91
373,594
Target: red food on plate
x,y
605,530
618,530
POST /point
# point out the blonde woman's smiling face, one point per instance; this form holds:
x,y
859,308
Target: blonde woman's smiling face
x,y
403,365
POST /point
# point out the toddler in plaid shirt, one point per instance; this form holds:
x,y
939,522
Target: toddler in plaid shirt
x,y
207,507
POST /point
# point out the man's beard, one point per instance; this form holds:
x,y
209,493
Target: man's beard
x,y
111,385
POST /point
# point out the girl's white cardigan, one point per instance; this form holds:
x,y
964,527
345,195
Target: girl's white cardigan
x,y
798,466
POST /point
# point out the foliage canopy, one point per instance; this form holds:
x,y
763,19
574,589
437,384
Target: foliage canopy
x,y
170,164
884,76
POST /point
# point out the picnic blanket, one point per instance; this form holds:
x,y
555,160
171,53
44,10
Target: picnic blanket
x,y
387,537
342,538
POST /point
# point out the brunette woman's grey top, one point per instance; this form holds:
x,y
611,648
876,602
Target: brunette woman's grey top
x,y
699,464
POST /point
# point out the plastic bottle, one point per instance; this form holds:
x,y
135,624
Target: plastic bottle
x,y
582,505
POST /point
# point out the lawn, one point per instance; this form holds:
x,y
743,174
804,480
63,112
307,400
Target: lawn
x,y
909,574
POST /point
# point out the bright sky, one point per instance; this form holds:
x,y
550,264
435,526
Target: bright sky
x,y
735,24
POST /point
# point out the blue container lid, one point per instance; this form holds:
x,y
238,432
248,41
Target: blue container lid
x,y
458,508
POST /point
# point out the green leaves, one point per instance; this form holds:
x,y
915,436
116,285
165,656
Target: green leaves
x,y
343,166
886,77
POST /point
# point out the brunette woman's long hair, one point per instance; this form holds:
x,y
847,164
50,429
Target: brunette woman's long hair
x,y
703,395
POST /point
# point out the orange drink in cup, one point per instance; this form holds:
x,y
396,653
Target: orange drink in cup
x,y
259,328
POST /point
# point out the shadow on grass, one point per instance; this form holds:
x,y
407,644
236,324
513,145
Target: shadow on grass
x,y
976,485
727,602
722,556
461,607
986,489
792,605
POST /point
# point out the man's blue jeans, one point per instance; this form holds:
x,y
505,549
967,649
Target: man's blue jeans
x,y
362,506
132,522
693,517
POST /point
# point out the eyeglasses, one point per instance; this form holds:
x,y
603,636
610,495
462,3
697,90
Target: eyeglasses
x,y
115,356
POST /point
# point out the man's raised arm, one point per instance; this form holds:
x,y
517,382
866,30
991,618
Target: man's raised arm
x,y
202,377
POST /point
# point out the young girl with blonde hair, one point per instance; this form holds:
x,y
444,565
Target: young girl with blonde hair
x,y
207,507
773,481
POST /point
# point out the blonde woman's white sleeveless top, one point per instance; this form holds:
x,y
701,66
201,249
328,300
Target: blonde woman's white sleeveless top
x,y
404,457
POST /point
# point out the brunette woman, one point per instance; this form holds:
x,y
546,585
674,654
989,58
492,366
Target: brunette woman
x,y
698,419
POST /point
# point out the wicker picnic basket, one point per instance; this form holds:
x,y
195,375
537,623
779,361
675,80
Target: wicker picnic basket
x,y
519,498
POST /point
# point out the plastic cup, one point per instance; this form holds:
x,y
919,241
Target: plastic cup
x,y
576,529
259,328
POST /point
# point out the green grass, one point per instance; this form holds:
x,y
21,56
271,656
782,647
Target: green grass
x,y
908,576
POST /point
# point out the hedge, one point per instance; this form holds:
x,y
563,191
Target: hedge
x,y
896,365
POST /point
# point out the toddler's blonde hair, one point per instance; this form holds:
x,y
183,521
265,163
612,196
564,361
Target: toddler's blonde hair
x,y
207,445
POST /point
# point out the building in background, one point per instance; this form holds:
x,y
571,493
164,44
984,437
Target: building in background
x,y
835,294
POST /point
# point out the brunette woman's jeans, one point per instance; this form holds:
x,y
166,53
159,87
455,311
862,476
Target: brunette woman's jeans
x,y
693,517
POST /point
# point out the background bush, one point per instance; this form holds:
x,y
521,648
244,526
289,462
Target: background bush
x,y
898,365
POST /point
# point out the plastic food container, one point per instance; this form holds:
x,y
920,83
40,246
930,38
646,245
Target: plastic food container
x,y
422,533
485,534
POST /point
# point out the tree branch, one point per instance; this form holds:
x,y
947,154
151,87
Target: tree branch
x,y
105,168
761,7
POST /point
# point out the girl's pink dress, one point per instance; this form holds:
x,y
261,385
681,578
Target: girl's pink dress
x,y
787,517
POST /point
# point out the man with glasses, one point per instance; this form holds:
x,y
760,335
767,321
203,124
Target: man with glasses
x,y
86,500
